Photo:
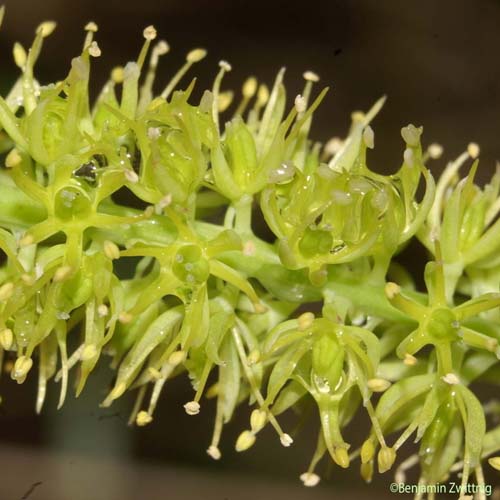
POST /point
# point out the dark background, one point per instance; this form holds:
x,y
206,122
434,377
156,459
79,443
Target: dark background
x,y
438,64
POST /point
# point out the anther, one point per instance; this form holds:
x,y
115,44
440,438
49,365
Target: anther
x,y
451,379
149,33
473,150
6,291
225,66
310,76
369,137
214,452
143,418
196,55
62,273
378,384
192,408
435,150
310,479
111,250
245,441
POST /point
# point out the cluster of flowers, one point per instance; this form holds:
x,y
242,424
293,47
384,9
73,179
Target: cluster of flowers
x,y
311,319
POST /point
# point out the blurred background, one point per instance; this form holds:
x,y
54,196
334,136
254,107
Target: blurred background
x,y
436,61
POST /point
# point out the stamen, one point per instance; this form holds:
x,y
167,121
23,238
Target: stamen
x,y
192,57
224,68
149,34
284,438
90,28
